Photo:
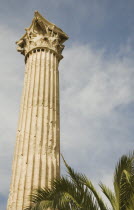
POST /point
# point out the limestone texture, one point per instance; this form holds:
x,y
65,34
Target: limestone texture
x,y
37,152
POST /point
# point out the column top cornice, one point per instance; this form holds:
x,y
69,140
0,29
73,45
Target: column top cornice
x,y
42,34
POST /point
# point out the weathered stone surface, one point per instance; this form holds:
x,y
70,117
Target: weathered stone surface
x,y
37,153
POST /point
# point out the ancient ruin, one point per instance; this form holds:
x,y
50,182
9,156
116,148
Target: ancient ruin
x,y
37,152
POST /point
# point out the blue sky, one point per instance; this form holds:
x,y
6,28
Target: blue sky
x,y
96,82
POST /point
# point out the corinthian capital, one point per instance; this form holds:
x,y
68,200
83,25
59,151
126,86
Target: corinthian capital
x,y
42,34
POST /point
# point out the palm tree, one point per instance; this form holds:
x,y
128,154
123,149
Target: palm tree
x,y
123,196
76,192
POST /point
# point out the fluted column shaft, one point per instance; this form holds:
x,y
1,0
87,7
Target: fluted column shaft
x,y
37,153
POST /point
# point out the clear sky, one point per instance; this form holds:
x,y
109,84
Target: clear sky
x,y
96,82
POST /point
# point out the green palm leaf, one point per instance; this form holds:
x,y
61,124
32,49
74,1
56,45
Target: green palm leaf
x,y
110,196
123,180
130,205
81,180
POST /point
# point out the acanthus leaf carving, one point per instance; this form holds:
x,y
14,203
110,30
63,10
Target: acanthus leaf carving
x,y
39,36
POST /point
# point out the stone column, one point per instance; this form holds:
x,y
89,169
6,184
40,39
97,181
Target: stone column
x,y
37,152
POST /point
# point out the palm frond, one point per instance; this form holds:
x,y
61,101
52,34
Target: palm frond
x,y
124,179
90,186
82,181
110,196
130,205
126,189
37,197
79,198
